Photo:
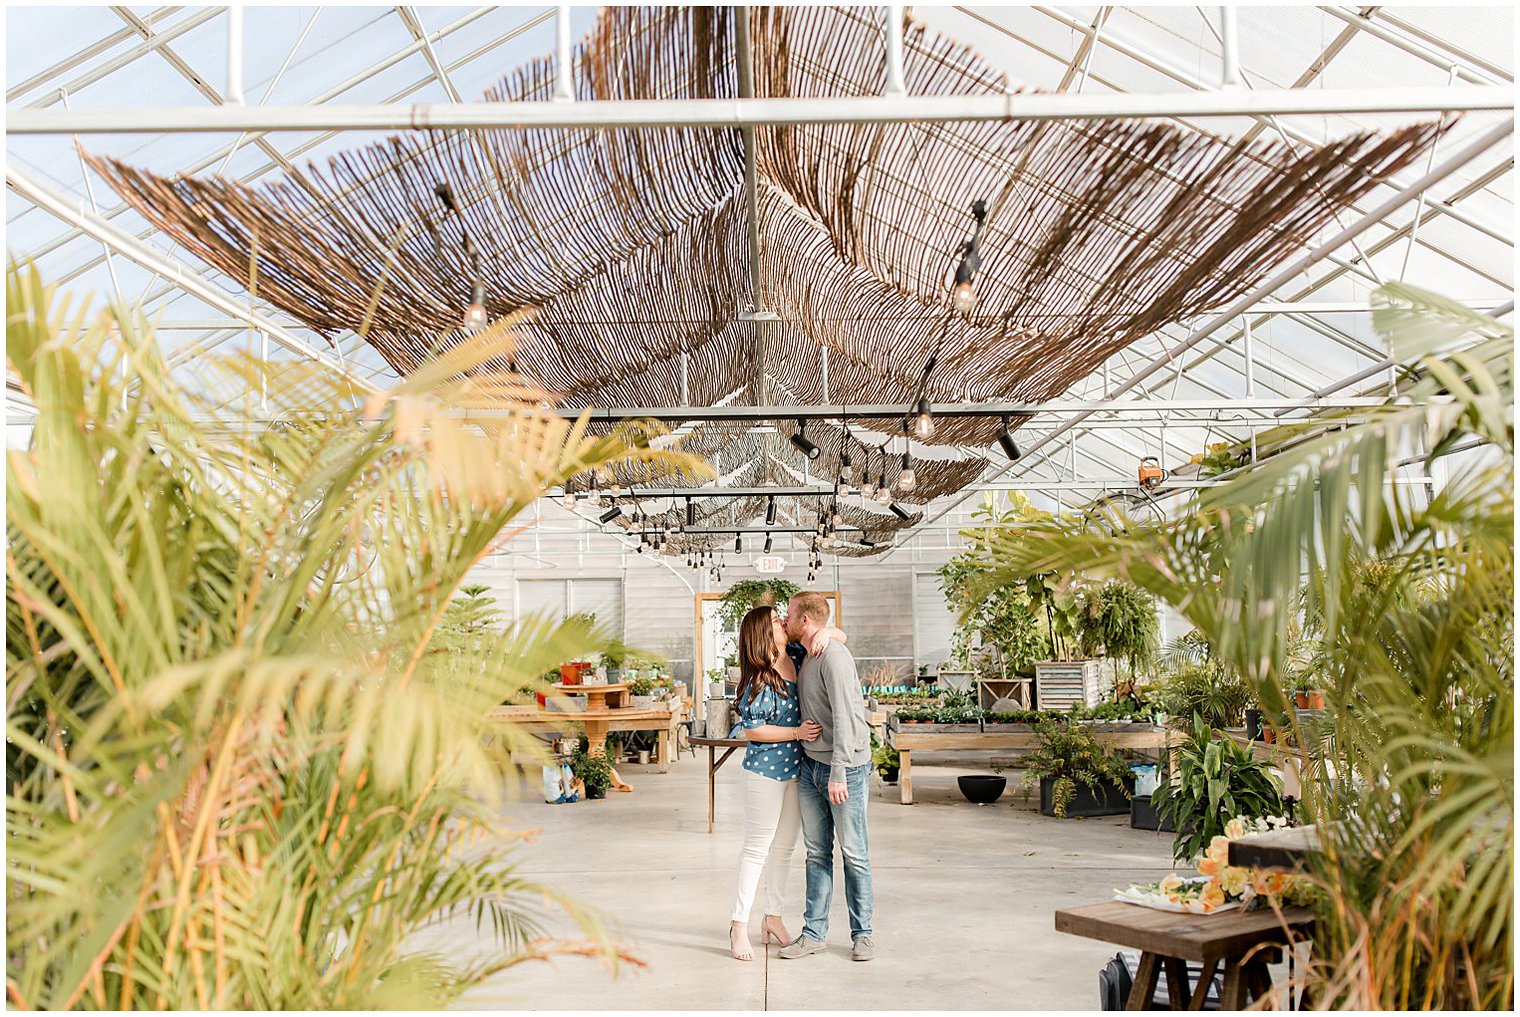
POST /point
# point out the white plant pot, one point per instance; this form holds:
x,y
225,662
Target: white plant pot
x,y
643,756
641,702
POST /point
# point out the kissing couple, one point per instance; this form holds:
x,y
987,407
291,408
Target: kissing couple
x,y
807,767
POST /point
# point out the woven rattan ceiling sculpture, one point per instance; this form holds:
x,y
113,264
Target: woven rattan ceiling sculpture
x,y
629,248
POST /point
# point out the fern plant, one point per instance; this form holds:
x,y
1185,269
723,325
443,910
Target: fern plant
x,y
1069,755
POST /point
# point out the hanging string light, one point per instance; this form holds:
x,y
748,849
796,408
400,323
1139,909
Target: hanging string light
x,y
962,294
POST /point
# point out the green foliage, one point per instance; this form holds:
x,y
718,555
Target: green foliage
x,y
1221,457
641,686
470,615
1003,616
1201,690
883,756
1217,780
594,770
1024,716
749,593
240,772
1070,754
1119,621
1407,598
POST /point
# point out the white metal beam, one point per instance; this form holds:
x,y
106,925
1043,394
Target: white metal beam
x,y
718,113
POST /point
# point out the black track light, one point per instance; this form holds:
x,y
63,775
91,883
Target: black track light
x,y
767,543
691,512
738,543
899,511
801,442
1010,447
770,511
866,541
610,514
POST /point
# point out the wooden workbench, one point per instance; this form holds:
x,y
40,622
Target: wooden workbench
x,y
598,723
1020,737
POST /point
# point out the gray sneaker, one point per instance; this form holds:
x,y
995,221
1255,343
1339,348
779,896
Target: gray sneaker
x,y
864,949
800,947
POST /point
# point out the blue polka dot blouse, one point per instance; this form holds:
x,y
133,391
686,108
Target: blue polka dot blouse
x,y
777,760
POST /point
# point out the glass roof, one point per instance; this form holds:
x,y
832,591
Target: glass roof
x,y
1456,239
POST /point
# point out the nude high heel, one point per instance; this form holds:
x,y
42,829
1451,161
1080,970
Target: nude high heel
x,y
736,933
772,928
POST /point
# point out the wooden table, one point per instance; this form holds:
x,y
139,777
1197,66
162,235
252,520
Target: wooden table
x,y
1241,941
905,739
599,697
715,763
597,724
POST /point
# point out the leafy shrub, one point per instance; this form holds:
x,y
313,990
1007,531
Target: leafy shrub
x,y
1069,754
1216,781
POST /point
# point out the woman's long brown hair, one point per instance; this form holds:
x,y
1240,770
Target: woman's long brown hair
x,y
758,654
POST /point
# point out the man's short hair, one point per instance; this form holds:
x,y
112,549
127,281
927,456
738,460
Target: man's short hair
x,y
812,605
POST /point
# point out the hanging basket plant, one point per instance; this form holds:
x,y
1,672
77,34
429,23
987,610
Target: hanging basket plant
x,y
748,593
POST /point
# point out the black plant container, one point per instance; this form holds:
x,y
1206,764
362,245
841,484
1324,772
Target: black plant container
x,y
595,793
1143,816
1106,801
888,774
1253,725
982,789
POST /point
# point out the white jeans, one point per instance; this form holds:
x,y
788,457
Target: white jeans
x,y
772,820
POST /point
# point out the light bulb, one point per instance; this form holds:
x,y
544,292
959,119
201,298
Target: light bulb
x,y
868,489
907,480
655,551
569,499
883,492
963,297
616,489
923,424
475,314
837,518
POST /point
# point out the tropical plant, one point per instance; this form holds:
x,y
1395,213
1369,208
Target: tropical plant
x,y
1221,457
1003,617
1217,780
1199,690
238,776
1068,755
470,615
1410,599
749,593
883,757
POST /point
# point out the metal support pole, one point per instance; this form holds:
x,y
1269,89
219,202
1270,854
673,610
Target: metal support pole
x,y
1249,348
1229,46
233,94
895,85
564,82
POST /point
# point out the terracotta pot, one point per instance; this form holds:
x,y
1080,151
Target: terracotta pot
x,y
1316,699
1301,700
569,674
1268,735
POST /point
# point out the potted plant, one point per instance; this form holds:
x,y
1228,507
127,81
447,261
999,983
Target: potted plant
x,y
748,593
1216,781
1300,685
1077,776
641,693
885,759
595,771
612,664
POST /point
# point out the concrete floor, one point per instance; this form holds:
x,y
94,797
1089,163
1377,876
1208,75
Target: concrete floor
x,y
964,902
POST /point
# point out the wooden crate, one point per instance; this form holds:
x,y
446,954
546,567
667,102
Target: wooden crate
x,y
1060,684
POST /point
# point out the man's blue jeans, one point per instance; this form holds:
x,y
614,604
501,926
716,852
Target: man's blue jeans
x,y
822,822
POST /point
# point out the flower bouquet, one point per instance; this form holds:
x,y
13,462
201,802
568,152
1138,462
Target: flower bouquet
x,y
1220,886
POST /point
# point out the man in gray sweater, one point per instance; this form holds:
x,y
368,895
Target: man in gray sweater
x,y
833,785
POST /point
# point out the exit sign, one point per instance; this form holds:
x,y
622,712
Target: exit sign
x,y
770,563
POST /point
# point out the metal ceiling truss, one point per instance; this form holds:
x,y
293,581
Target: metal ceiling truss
x,y
1485,89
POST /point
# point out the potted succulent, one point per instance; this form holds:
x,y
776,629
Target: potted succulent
x,y
1077,776
595,771
641,693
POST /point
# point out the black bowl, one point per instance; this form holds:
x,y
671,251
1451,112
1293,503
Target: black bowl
x,y
982,788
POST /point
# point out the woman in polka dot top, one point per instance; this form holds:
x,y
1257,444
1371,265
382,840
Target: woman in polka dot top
x,y
770,712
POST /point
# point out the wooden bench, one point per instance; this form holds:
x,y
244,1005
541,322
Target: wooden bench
x,y
905,739
1242,942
